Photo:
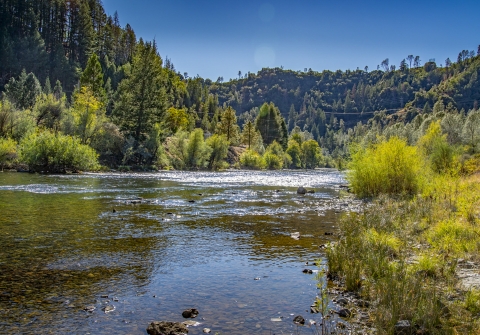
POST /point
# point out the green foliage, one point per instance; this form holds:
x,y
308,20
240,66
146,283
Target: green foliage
x,y
141,95
435,146
228,126
219,145
49,152
269,124
176,149
472,301
312,156
251,159
176,119
49,111
87,115
295,152
390,167
92,78
272,161
24,91
8,150
471,131
15,123
197,151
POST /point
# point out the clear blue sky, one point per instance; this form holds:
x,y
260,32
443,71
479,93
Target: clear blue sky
x,y
215,38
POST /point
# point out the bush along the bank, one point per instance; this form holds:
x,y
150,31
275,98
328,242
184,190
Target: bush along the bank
x,y
57,153
390,167
403,253
8,151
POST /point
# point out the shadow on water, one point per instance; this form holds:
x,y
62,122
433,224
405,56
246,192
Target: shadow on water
x,y
147,246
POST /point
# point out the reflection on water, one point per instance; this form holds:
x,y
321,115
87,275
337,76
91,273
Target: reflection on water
x,y
152,245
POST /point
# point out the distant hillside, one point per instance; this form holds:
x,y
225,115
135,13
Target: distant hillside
x,y
354,95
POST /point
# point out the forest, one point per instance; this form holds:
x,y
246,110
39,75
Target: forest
x,y
81,92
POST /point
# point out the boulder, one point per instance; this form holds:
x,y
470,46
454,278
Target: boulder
x,y
167,328
344,313
299,320
301,190
403,327
190,313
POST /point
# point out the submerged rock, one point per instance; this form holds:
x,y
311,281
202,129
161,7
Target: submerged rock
x,y
299,320
89,309
167,328
307,271
301,190
191,323
190,313
108,308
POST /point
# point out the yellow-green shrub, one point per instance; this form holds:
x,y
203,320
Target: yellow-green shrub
x,y
390,167
49,152
252,160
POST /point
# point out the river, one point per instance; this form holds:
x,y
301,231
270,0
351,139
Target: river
x,y
151,245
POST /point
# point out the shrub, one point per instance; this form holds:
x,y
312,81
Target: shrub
x,y
197,151
272,161
219,145
56,153
390,167
312,156
252,160
8,150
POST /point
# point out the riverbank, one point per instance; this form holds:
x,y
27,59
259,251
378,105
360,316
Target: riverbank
x,y
411,265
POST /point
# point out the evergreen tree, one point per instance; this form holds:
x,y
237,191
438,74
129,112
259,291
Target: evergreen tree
x,y
250,135
92,78
292,117
141,95
24,91
47,88
228,125
269,123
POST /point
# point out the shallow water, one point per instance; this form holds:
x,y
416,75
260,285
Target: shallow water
x,y
218,242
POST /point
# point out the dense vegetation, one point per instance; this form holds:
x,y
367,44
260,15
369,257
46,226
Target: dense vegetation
x,y
69,69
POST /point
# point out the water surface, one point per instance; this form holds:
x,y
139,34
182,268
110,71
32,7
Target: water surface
x,y
152,245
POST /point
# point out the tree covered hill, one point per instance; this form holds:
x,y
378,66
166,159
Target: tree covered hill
x,y
355,95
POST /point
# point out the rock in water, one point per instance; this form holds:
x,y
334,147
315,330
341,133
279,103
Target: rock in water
x,y
301,190
190,313
167,328
345,313
295,235
299,320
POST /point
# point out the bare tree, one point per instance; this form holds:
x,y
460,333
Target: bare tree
x,y
416,61
385,64
410,59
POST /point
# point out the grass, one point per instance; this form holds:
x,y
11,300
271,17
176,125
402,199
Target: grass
x,y
401,254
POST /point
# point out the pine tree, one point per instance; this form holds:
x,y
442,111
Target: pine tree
x,y
228,125
47,88
269,123
141,95
292,117
92,78
250,135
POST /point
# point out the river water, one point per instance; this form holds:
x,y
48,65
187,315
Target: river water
x,y
149,246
